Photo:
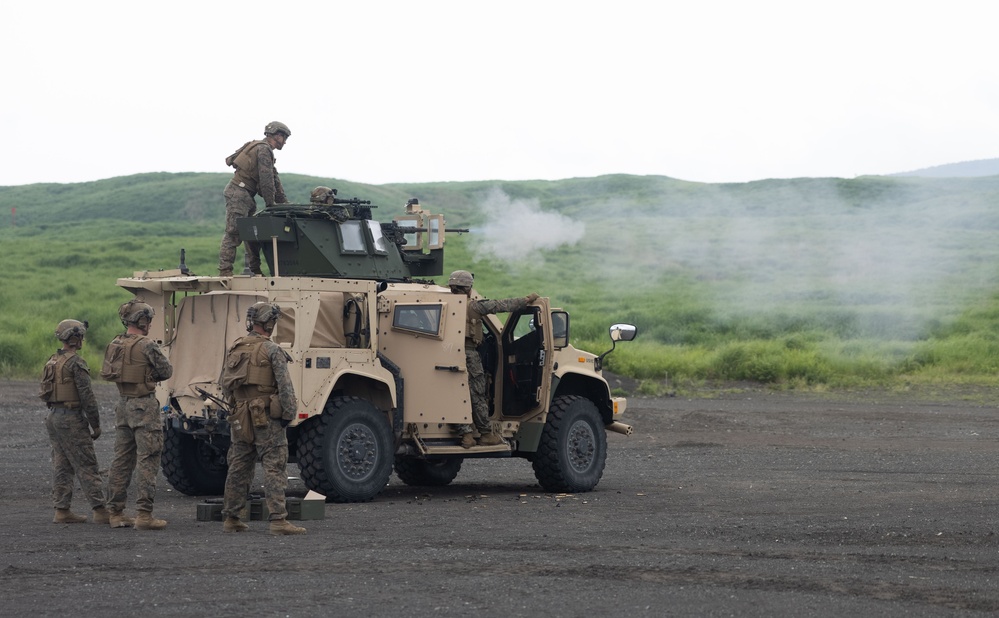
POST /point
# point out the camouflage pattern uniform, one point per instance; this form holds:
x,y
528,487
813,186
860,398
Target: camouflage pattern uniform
x,y
72,444
138,435
269,445
239,202
473,361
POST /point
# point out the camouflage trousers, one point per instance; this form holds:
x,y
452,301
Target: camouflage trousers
x,y
73,456
138,442
270,447
477,389
238,203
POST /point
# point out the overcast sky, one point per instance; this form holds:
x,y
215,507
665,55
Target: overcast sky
x,y
379,92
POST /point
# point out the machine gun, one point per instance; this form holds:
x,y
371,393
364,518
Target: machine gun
x,y
351,202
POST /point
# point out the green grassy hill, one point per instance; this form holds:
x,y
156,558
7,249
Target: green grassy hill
x,y
799,283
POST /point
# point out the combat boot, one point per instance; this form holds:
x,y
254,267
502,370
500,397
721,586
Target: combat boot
x,y
145,521
283,526
117,519
101,516
232,524
467,441
65,516
225,273
491,439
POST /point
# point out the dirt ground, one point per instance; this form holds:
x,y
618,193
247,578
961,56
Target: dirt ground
x,y
748,503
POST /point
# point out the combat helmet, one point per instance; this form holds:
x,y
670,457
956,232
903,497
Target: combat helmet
x,y
460,279
322,195
277,127
68,329
135,310
265,314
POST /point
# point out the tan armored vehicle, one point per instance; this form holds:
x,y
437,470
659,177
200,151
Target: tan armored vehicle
x,y
378,360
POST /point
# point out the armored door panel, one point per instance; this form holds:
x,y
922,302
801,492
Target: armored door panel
x,y
527,360
424,335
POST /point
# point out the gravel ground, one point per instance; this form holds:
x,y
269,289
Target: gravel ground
x,y
748,504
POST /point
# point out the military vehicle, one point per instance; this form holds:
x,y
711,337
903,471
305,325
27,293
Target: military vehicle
x,y
378,360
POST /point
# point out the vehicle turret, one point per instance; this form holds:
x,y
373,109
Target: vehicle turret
x,y
338,238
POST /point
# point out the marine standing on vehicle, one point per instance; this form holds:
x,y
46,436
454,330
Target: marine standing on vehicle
x,y
66,389
135,363
255,173
255,379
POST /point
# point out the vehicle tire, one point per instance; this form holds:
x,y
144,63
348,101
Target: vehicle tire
x,y
434,472
573,448
194,467
346,453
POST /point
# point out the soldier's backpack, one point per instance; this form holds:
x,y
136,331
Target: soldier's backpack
x,y
115,369
241,159
47,388
52,387
245,365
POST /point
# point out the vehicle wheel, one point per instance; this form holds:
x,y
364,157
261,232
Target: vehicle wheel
x,y
435,472
192,466
346,452
573,447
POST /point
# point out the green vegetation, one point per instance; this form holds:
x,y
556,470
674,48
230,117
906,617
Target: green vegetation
x,y
807,283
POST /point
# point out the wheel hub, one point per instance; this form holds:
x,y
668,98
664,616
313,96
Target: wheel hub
x,y
581,445
357,452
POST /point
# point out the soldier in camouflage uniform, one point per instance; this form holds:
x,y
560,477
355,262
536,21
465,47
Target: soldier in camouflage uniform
x,y
255,173
138,426
72,406
255,379
460,282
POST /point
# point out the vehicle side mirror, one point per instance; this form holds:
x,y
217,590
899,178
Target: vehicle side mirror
x,y
623,332
618,332
560,329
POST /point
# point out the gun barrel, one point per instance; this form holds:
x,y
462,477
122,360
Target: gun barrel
x,y
409,229
205,396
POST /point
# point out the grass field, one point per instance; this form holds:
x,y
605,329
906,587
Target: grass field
x,y
816,283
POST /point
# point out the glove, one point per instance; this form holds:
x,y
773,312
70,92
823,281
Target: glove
x,y
531,298
285,422
95,433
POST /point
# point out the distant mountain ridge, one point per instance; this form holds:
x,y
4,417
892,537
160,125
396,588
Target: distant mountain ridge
x,y
964,169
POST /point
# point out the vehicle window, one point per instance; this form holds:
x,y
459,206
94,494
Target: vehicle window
x,y
352,237
425,319
381,245
524,326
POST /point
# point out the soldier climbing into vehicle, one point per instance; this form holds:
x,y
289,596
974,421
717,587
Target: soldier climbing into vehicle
x,y
460,282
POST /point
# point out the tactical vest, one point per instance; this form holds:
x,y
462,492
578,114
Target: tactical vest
x,y
247,373
58,387
126,366
245,162
473,326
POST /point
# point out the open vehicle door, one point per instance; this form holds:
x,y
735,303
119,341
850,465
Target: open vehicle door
x,y
527,359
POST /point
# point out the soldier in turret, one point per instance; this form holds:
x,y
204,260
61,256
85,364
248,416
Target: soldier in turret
x,y
72,406
255,174
255,379
460,282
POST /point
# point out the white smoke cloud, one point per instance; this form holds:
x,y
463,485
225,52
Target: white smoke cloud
x,y
881,267
515,229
